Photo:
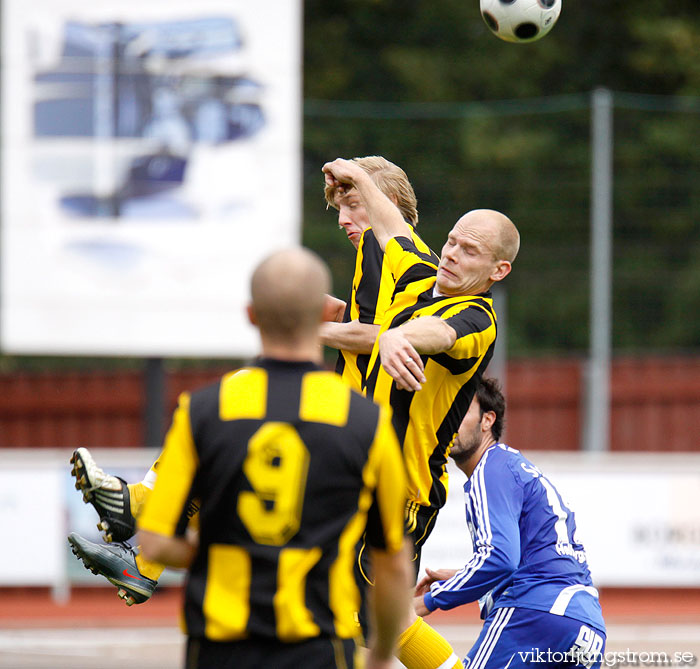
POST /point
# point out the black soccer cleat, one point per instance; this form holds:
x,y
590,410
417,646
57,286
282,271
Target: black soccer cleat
x,y
117,563
108,494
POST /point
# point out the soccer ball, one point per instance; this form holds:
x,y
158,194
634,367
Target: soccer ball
x,y
520,20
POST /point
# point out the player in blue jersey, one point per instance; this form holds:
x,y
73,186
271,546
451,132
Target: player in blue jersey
x,y
528,571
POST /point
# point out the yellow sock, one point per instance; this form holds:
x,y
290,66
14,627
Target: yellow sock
x,y
149,569
421,647
138,494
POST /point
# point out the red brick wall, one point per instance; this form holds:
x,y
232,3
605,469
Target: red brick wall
x,y
655,405
543,405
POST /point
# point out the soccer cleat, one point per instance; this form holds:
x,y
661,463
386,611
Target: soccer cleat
x,y
108,494
117,563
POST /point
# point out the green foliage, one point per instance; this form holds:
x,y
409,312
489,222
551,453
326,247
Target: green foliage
x,y
527,154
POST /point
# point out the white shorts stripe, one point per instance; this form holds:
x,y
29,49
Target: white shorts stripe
x,y
488,644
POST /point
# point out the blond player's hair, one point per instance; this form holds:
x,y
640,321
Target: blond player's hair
x,y
391,180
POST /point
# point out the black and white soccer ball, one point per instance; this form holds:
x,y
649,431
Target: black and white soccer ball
x,y
520,20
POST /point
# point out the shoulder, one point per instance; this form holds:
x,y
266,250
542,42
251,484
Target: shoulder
x,y
466,314
503,462
235,385
419,251
422,247
333,397
478,306
523,470
204,394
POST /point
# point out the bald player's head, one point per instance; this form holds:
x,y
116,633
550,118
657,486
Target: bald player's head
x,y
480,250
288,291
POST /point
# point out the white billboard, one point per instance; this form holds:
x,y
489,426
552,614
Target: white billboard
x,y
151,156
637,515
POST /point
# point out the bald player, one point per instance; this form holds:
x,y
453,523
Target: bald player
x,y
290,466
436,340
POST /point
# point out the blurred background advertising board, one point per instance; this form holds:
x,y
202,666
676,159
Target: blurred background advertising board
x,y
636,515
151,156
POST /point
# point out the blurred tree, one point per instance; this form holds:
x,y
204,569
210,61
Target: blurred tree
x,y
440,58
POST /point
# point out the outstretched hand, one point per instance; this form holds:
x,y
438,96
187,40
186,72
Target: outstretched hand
x,y
401,360
423,586
431,576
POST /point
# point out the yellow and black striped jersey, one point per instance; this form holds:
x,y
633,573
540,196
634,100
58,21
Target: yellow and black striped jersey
x,y
291,466
373,287
427,421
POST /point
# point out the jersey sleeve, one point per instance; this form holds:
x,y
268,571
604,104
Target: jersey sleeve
x,y
385,518
407,263
475,328
494,505
177,466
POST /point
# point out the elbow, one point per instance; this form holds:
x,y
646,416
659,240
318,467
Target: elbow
x,y
504,563
450,336
442,338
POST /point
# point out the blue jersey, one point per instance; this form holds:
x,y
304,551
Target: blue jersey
x,y
526,553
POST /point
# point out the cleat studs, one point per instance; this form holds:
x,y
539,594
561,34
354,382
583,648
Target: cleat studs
x,y
77,486
82,480
130,601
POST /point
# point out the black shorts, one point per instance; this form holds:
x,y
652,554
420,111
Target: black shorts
x,y
322,652
419,523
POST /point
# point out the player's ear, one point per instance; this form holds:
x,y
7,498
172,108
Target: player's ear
x,y
488,418
251,314
501,271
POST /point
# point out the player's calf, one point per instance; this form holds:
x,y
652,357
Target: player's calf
x,y
108,494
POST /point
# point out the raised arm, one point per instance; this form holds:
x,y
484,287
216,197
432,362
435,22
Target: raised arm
x,y
384,216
